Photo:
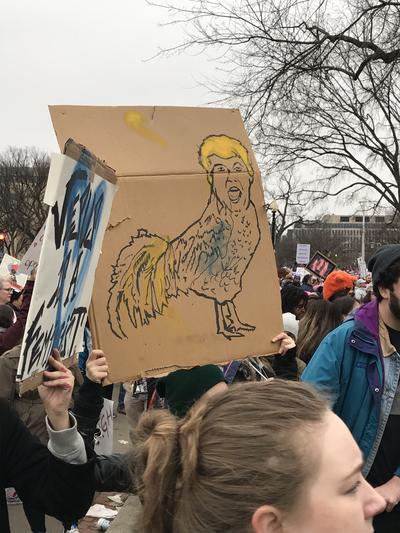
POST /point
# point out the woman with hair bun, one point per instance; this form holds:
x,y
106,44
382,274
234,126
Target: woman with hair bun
x,y
266,457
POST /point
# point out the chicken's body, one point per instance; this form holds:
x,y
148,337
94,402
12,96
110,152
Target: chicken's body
x,y
208,258
212,255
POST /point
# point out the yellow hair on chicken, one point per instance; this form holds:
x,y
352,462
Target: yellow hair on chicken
x,y
224,147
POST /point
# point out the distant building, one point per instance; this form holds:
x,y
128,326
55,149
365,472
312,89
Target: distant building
x,y
341,235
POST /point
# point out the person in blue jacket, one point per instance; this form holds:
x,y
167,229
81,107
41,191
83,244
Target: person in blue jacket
x,y
358,366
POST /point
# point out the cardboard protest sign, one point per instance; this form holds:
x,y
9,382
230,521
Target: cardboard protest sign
x,y
80,191
187,275
321,265
30,261
104,441
10,268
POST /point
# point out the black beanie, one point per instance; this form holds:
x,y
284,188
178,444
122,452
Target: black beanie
x,y
382,259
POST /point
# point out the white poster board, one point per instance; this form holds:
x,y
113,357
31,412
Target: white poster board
x,y
80,201
30,260
362,267
300,271
303,254
10,268
104,442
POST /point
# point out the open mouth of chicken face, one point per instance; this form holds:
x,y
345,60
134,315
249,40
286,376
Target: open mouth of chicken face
x,y
234,194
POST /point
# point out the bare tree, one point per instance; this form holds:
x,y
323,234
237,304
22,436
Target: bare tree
x,y
324,241
298,36
317,82
292,202
347,131
23,178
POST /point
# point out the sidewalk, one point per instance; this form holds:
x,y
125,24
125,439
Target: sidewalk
x,y
88,524
127,519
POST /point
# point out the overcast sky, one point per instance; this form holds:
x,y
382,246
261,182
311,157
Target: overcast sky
x,y
89,52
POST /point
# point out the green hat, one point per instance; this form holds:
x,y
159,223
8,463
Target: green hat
x,y
183,388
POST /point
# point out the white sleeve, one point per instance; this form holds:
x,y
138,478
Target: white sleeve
x,y
67,444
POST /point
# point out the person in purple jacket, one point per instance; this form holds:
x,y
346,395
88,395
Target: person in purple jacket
x,y
358,365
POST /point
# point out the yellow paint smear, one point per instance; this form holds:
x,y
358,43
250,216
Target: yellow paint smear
x,y
137,122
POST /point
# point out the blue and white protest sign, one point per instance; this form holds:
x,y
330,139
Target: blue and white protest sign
x,y
80,191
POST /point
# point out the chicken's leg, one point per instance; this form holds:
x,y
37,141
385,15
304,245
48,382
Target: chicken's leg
x,y
225,325
235,319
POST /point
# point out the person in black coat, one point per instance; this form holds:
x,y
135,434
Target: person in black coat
x,y
58,479
112,472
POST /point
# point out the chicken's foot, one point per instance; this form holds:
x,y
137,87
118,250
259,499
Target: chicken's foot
x,y
225,325
236,321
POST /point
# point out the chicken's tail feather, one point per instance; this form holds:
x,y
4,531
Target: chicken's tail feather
x,y
139,282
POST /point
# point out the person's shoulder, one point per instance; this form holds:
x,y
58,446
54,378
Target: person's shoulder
x,y
342,331
333,345
329,354
347,325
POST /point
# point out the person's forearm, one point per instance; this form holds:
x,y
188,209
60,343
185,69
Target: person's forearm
x,y
26,301
66,443
113,473
59,421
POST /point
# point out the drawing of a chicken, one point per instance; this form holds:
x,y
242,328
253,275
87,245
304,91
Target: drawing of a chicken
x,y
208,258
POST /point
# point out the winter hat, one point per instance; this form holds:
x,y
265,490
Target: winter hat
x,y
382,259
183,388
337,281
290,324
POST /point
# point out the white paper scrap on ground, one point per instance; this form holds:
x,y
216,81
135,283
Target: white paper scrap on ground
x,y
101,511
116,499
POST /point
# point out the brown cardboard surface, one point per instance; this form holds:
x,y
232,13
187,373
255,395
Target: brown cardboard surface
x,y
163,193
78,152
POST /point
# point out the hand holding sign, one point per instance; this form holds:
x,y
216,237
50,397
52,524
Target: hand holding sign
x,y
286,343
96,366
56,392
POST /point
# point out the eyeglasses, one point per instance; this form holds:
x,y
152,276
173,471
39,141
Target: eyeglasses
x,y
8,290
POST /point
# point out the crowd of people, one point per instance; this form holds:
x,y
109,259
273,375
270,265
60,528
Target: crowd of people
x,y
304,441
